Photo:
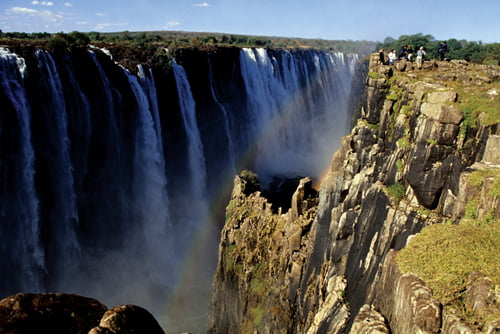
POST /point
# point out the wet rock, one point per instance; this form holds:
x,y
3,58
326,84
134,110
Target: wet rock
x,y
127,319
49,313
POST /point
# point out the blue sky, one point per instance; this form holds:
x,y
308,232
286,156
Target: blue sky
x,y
473,20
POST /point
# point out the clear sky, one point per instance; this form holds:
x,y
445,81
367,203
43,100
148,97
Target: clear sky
x,y
473,20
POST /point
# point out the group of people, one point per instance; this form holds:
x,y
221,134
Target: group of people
x,y
407,53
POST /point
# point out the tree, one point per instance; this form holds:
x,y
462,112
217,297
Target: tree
x,y
77,38
95,36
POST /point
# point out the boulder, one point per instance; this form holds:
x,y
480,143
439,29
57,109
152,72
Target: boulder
x,y
442,97
491,152
480,293
49,313
443,113
127,319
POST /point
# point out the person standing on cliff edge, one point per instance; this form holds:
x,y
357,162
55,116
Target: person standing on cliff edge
x,y
392,57
420,57
381,57
443,48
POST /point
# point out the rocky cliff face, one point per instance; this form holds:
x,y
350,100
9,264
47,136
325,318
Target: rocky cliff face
x,y
330,267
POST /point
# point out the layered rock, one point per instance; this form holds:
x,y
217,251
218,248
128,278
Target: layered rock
x,y
404,166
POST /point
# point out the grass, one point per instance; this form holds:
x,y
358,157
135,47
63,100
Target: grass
x,y
364,122
475,102
444,255
400,165
478,177
374,75
407,110
403,142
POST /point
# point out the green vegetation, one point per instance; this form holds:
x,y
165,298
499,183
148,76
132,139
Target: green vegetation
x,y
400,165
253,320
476,52
178,39
374,75
477,105
403,142
482,179
250,183
478,177
445,255
258,282
396,191
407,110
364,122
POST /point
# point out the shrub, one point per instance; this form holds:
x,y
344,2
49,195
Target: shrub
x,y
251,182
396,191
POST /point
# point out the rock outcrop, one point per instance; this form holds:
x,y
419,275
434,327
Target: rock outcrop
x,y
404,166
58,313
49,313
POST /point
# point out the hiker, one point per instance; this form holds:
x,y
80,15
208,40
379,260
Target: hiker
x,y
420,57
409,52
443,48
403,52
381,56
392,57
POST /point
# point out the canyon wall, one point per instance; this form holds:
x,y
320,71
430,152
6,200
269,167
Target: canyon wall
x,y
327,264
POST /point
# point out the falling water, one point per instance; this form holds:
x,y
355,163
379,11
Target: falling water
x,y
18,200
196,156
150,204
227,123
298,108
64,214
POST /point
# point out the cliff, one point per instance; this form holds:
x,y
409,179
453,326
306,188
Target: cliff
x,y
423,152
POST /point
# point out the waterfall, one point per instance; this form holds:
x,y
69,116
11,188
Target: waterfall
x,y
107,180
298,106
226,118
148,84
152,239
63,217
196,157
20,241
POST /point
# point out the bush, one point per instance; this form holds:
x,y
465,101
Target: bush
x,y
396,191
251,182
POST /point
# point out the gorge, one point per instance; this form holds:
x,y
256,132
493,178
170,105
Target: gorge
x,y
115,173
318,174
422,157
